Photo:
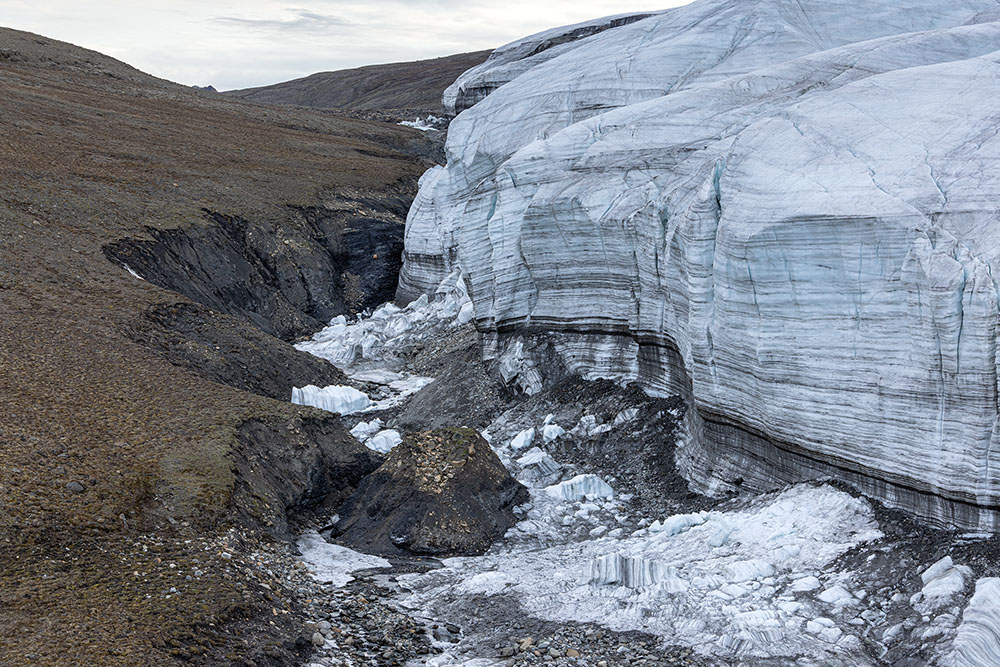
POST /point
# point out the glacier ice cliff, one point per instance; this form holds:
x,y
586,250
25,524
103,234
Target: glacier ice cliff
x,y
785,210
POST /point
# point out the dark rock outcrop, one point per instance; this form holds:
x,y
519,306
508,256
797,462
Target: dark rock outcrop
x,y
288,280
440,493
284,469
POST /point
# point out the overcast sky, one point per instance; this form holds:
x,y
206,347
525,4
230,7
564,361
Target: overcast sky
x,y
232,44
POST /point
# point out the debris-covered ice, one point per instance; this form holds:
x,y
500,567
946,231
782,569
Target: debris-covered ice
x,y
332,562
748,594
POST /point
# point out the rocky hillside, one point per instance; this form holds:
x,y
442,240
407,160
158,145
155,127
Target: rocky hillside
x,y
783,210
159,246
411,85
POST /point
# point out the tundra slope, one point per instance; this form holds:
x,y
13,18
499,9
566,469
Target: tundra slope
x,y
780,210
139,435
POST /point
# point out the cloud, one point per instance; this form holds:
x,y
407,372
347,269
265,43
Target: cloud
x,y
303,21
257,42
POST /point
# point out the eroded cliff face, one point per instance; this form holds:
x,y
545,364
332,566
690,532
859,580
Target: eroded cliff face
x,y
781,211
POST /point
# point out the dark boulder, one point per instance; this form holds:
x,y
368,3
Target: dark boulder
x,y
440,493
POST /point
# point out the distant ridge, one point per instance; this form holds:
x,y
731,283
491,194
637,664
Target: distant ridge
x,y
407,85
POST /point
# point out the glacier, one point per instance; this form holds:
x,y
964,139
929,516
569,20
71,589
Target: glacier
x,y
786,211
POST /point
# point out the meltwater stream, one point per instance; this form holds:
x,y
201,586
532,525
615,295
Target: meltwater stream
x,y
760,580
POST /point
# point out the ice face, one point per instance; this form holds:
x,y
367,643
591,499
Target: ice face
x,y
786,208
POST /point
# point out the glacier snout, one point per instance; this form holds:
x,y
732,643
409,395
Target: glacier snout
x,y
796,228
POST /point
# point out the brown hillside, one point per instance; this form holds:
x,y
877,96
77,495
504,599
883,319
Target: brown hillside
x,y
409,85
138,426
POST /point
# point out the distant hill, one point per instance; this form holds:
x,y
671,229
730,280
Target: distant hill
x,y
409,85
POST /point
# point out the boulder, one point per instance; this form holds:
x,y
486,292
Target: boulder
x,y
439,493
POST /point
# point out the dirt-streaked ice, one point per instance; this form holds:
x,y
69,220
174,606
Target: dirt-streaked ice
x,y
786,207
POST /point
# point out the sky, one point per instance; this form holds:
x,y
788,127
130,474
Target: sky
x,y
230,44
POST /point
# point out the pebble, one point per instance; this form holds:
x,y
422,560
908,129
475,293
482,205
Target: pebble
x,y
317,639
75,487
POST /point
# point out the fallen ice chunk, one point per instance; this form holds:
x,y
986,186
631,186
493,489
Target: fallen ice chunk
x,y
365,430
384,441
551,432
625,416
677,524
391,329
837,596
538,468
830,635
942,581
335,398
817,625
522,439
423,124
581,487
805,584
588,426
747,570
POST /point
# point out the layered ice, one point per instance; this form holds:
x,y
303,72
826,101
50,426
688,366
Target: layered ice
x,y
978,640
335,398
785,209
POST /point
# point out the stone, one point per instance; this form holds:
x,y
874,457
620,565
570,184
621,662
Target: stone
x,y
439,493
75,487
317,639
